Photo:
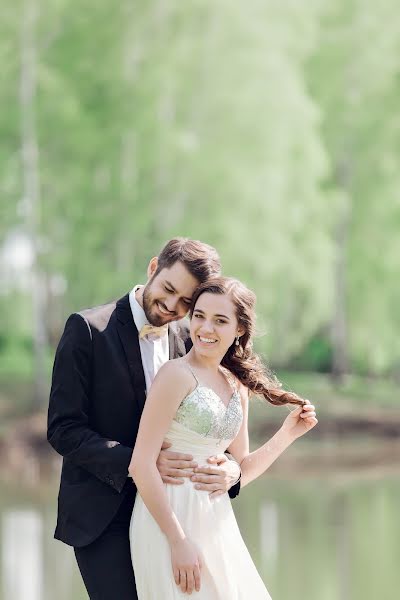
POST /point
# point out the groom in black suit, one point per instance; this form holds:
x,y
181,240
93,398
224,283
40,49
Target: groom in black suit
x,y
104,365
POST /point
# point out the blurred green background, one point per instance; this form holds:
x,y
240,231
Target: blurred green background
x,y
270,130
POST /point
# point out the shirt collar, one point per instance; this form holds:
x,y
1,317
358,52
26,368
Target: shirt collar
x,y
137,311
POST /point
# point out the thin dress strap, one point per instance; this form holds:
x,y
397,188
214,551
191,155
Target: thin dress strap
x,y
231,379
192,372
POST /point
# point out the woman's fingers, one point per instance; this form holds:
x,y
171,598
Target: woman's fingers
x,y
193,579
189,582
182,579
196,574
308,410
309,414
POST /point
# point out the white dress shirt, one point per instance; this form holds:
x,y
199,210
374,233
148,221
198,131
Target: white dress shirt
x,y
155,352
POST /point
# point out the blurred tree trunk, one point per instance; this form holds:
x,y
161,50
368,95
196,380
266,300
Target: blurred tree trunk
x,y
339,334
31,190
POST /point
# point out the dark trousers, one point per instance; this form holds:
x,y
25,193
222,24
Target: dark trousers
x,y
105,564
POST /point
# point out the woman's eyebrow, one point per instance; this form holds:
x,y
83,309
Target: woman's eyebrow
x,y
217,315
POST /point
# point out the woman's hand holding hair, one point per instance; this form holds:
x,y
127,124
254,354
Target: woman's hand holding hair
x,y
300,420
186,565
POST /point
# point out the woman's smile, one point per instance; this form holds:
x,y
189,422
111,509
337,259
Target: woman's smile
x,y
207,341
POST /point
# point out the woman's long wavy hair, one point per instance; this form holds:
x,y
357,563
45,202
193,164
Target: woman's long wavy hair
x,y
240,359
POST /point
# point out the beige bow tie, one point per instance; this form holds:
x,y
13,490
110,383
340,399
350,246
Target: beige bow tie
x,y
151,330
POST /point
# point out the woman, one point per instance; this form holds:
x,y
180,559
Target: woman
x,y
184,540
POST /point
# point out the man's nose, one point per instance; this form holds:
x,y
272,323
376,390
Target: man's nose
x,y
171,304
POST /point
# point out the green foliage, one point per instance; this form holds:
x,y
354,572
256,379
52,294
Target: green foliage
x,y
254,127
16,357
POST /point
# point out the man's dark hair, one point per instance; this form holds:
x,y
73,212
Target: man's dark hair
x,y
200,259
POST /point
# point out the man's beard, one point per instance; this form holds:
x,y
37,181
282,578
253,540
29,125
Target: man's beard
x,y
149,305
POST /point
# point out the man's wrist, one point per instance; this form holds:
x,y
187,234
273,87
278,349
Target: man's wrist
x,y
238,479
230,457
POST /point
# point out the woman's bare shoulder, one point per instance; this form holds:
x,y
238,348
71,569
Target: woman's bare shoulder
x,y
244,394
175,370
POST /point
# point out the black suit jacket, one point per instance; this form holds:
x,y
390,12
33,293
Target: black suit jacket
x,y
97,397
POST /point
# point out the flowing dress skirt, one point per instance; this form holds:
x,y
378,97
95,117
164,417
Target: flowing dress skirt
x,y
228,572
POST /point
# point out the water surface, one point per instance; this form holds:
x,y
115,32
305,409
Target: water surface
x,y
328,537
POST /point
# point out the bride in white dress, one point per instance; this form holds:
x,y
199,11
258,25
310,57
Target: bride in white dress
x,y
184,540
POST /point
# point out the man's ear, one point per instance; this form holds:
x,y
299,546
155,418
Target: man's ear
x,y
152,268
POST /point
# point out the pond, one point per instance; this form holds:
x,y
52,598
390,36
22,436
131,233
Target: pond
x,y
329,536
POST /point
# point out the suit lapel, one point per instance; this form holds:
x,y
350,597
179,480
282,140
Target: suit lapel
x,y
176,344
130,342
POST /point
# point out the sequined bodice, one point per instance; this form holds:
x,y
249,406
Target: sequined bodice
x,y
204,412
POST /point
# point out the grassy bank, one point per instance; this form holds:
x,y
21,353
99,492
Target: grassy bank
x,y
356,403
353,394
358,407
359,419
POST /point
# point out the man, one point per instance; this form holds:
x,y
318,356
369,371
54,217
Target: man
x,y
104,365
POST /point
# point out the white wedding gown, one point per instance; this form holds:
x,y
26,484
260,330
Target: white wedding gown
x,y
203,426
